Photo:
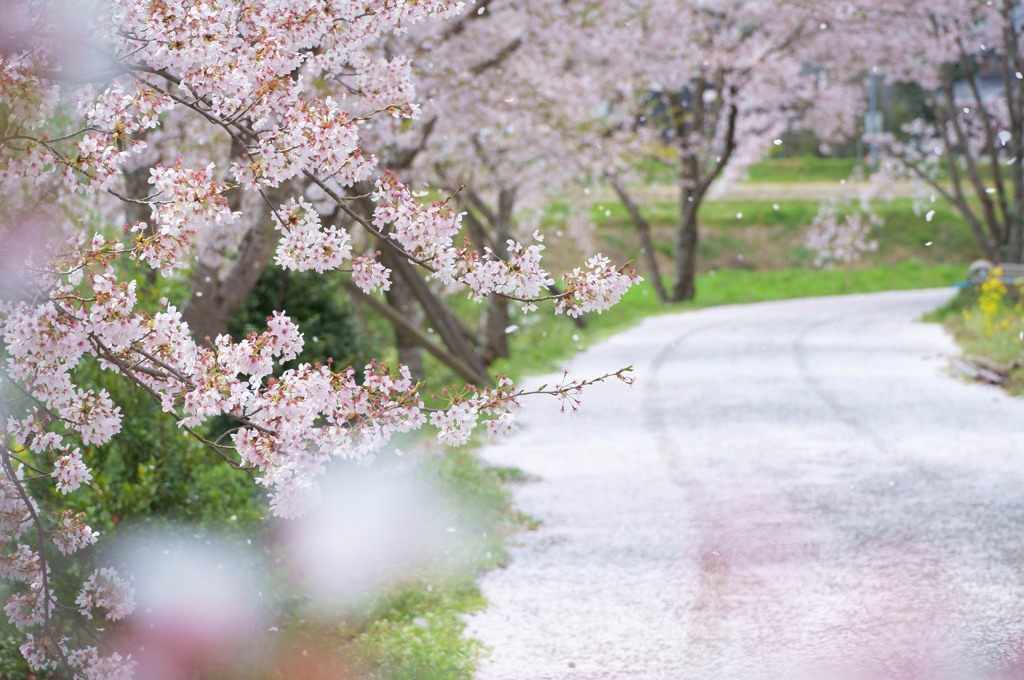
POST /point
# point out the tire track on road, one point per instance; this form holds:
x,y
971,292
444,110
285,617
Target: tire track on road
x,y
722,558
728,588
842,413
653,407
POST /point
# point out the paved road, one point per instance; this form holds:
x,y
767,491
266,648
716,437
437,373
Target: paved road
x,y
791,490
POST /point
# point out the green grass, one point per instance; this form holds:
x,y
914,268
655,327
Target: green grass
x,y
946,230
736,287
791,214
802,169
414,631
659,171
933,233
997,339
543,341
899,214
772,234
792,170
417,634
769,170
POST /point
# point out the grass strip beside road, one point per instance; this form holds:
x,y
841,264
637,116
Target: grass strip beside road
x,y
540,343
415,631
988,326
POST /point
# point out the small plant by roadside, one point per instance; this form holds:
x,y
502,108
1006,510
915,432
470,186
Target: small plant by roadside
x,y
988,324
1000,311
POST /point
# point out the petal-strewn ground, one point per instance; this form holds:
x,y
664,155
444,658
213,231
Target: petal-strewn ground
x,y
794,489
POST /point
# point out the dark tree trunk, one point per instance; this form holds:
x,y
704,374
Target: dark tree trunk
x,y
440,317
218,292
413,303
684,286
497,318
697,174
400,298
975,179
413,331
137,186
687,240
496,330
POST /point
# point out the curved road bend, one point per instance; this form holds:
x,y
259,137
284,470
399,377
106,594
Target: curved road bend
x,y
790,490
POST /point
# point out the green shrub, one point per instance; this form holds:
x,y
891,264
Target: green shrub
x,y
323,312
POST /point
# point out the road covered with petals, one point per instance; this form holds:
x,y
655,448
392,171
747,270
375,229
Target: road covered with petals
x,y
798,489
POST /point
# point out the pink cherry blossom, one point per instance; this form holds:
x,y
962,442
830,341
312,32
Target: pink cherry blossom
x,y
107,589
199,130
73,534
70,472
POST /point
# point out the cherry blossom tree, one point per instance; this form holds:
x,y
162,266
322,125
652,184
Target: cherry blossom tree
x,y
841,239
699,86
245,120
490,85
968,145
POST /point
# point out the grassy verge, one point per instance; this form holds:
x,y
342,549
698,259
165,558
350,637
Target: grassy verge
x,y
541,342
414,631
802,169
774,170
988,323
770,234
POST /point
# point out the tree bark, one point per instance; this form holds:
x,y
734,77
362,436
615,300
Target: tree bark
x,y
218,292
137,186
695,180
957,194
684,286
411,299
497,318
496,327
992,222
408,342
423,340
442,319
643,230
687,240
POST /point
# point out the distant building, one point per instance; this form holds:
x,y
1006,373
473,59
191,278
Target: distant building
x,y
991,69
